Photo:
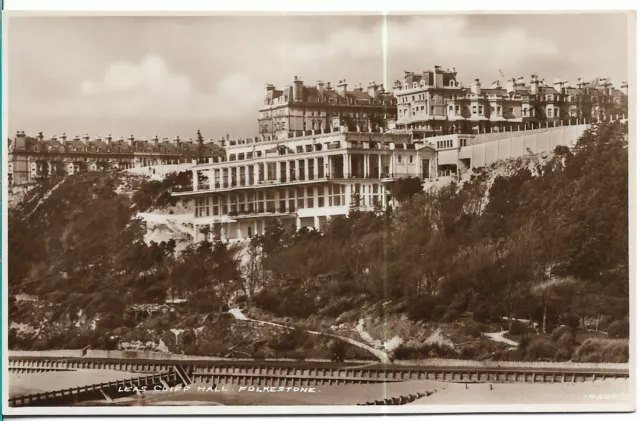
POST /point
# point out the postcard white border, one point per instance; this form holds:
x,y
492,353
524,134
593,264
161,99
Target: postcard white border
x,y
193,7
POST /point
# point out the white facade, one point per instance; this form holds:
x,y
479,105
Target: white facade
x,y
302,181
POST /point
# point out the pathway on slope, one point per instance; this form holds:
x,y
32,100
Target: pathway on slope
x,y
499,337
380,354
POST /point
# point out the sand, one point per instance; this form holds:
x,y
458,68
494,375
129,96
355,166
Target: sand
x,y
604,391
598,392
21,384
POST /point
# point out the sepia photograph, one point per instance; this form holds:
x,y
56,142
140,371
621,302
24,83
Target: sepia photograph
x,y
252,212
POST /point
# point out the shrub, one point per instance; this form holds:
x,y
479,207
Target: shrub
x,y
434,350
289,341
450,315
477,350
618,329
517,328
562,331
422,309
338,350
570,320
602,351
604,322
481,313
111,321
540,349
204,303
438,312
339,306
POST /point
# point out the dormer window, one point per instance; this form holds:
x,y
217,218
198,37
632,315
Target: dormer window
x,y
406,86
415,84
452,83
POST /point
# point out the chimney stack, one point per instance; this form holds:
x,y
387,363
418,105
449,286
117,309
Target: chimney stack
x,y
176,142
476,86
130,140
320,87
535,84
372,89
63,139
109,138
85,139
624,87
156,141
342,87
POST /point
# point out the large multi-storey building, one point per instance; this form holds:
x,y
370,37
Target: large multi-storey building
x,y
298,109
435,103
32,159
302,181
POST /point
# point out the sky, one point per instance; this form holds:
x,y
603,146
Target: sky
x,y
171,76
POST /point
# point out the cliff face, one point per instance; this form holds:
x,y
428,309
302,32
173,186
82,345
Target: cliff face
x,y
542,238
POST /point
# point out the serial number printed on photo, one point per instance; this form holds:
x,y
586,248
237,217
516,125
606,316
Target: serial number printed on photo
x,y
605,396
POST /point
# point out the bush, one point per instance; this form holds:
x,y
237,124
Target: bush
x,y
422,309
404,352
477,351
450,315
336,307
618,329
517,328
204,303
438,312
338,350
111,321
472,329
481,313
570,320
540,349
604,322
289,341
602,351
562,331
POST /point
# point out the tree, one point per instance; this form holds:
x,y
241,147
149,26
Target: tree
x,y
200,141
405,188
252,270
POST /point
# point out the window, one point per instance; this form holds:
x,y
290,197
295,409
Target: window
x,y
480,110
310,197
474,109
292,200
549,111
321,197
433,109
399,158
410,159
271,201
336,195
493,110
202,208
300,194
457,109
555,112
